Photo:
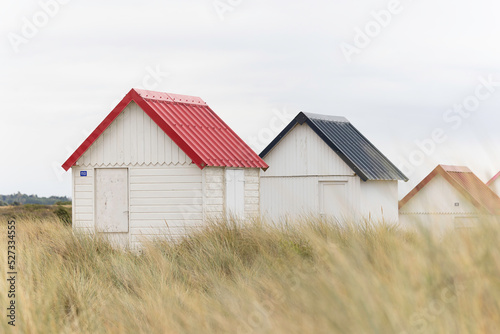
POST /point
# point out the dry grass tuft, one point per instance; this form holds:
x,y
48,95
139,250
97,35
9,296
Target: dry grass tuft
x,y
311,277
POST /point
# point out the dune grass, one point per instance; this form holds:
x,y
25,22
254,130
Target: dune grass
x,y
37,211
315,277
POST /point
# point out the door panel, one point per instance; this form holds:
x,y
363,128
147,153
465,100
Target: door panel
x,y
111,200
334,200
235,193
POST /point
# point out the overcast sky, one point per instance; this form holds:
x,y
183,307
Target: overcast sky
x,y
400,71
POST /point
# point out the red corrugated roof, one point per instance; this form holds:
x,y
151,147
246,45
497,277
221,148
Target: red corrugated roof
x,y
191,124
467,183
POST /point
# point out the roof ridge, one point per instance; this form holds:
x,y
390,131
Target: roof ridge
x,y
169,97
340,119
456,169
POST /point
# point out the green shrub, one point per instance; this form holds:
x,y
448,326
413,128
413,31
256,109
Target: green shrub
x,y
64,215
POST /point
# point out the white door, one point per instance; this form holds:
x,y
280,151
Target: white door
x,y
111,199
235,193
334,200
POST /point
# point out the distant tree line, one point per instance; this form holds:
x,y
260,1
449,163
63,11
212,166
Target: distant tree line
x,y
20,199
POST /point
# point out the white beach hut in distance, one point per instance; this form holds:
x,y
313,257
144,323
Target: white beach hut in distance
x,y
160,165
449,197
322,165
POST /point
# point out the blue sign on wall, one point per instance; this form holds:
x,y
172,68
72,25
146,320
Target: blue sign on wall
x,y
83,173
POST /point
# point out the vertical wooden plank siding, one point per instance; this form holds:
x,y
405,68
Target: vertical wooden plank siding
x,y
303,153
135,136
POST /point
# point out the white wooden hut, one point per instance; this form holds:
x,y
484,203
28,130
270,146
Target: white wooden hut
x,y
322,165
494,183
160,165
449,197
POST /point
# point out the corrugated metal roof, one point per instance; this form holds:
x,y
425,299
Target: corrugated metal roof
x,y
476,189
465,181
342,137
191,124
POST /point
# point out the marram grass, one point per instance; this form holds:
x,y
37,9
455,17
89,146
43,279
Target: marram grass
x,y
311,277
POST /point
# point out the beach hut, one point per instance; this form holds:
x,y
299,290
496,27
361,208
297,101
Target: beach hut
x,y
322,165
161,165
449,197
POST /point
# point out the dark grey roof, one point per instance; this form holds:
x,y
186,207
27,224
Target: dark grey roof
x,y
343,138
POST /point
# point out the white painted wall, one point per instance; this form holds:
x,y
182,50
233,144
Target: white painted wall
x,y
295,197
379,201
299,166
165,201
83,200
439,196
434,207
168,195
303,153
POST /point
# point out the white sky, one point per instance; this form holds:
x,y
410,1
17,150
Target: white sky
x,y
264,57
